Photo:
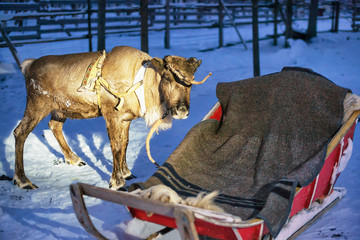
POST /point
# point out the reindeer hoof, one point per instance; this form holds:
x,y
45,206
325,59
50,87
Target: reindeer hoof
x,y
25,185
78,163
74,160
117,184
130,177
82,163
30,187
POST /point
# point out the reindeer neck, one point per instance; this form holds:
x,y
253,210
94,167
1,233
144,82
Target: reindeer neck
x,y
155,108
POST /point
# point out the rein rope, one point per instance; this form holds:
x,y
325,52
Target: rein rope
x,y
151,132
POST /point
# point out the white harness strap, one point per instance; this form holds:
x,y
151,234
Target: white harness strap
x,y
140,91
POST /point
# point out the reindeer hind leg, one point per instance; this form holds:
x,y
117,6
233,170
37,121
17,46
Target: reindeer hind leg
x,y
35,111
56,125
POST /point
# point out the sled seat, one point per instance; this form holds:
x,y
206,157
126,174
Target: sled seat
x,y
192,222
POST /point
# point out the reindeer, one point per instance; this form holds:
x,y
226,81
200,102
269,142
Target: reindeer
x,y
52,85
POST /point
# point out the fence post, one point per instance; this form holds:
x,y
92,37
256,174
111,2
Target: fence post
x,y
255,33
276,11
144,26
335,16
288,23
312,26
38,32
101,25
221,25
167,24
89,25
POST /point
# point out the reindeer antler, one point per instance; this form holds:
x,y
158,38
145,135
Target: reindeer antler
x,y
198,83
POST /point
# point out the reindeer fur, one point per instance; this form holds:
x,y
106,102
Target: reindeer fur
x,y
165,194
351,104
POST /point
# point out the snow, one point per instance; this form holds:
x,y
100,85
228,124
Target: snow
x,y
47,212
306,215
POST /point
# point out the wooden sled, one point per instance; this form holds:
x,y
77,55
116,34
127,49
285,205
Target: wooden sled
x,y
318,196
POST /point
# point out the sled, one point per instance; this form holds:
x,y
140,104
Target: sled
x,y
310,201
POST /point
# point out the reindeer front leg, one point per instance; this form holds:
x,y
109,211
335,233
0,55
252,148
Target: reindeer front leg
x,y
118,131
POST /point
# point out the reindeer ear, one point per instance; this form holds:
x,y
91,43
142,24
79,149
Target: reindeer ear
x,y
168,59
196,63
192,60
158,63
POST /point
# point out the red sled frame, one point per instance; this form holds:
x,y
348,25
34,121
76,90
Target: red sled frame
x,y
192,222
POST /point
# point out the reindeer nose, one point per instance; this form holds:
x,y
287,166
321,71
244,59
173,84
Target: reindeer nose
x,y
181,111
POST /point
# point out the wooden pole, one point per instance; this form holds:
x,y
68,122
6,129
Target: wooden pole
x,y
233,23
335,16
89,25
144,26
38,32
167,24
101,25
289,14
312,25
10,45
354,16
276,11
221,25
255,33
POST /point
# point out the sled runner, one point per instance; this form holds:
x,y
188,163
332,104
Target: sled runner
x,y
272,207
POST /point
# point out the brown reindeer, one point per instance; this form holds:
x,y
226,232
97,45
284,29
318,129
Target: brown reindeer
x,y
52,84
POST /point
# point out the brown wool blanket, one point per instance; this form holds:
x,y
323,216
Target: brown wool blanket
x,y
272,137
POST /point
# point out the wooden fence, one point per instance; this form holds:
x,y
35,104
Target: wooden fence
x,y
356,15
55,20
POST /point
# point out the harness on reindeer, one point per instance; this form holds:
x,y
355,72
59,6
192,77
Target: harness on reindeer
x,y
93,81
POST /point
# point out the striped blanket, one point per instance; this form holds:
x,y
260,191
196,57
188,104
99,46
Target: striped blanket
x,y
272,137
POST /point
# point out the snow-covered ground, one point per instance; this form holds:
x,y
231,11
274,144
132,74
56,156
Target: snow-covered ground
x,y
47,212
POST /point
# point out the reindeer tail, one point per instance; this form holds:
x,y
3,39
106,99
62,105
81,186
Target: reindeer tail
x,y
26,64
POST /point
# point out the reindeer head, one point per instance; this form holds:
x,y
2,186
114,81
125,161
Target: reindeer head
x,y
177,77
